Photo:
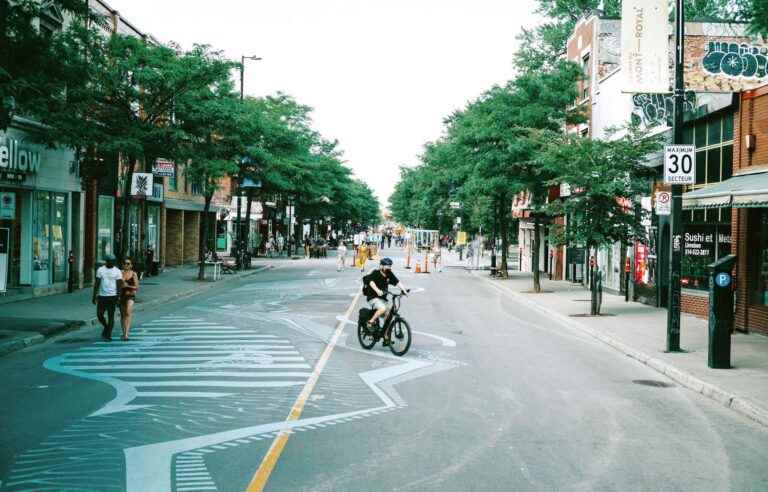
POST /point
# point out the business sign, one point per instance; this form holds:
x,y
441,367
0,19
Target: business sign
x,y
164,167
663,203
679,164
142,184
17,157
645,46
5,237
641,263
455,205
7,205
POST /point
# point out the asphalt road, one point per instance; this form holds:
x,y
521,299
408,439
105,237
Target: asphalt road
x,y
491,396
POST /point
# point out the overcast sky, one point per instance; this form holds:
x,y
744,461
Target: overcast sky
x,y
381,75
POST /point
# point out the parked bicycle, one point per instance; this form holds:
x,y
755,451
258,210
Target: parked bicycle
x,y
400,336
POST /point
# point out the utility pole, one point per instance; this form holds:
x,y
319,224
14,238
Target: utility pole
x,y
238,232
675,243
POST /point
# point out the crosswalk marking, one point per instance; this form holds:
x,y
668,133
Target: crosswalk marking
x,y
180,366
236,356
166,356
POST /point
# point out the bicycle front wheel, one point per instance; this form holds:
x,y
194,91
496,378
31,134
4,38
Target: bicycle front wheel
x,y
365,337
400,337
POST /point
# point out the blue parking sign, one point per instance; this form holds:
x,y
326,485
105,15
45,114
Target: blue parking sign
x,y
723,279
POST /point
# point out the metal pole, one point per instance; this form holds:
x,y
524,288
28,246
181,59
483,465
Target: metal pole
x,y
237,227
675,256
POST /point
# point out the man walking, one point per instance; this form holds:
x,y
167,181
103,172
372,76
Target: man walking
x,y
105,294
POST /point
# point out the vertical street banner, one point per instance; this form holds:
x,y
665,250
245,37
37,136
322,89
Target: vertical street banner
x,y
645,45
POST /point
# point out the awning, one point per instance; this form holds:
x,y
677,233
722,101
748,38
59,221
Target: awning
x,y
176,204
742,191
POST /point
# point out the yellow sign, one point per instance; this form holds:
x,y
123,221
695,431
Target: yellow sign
x,y
461,238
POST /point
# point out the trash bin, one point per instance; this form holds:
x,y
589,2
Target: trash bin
x,y
720,312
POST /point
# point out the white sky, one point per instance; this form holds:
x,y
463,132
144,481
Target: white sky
x,y
381,75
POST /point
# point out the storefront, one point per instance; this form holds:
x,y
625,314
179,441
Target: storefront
x,y
40,207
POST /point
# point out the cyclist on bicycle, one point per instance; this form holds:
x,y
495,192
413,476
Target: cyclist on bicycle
x,y
375,286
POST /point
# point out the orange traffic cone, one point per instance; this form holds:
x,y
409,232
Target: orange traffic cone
x,y
418,268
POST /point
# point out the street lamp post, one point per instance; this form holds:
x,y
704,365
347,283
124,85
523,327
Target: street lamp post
x,y
675,229
238,228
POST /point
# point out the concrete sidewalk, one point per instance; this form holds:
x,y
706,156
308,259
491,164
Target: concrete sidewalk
x,y
639,331
30,321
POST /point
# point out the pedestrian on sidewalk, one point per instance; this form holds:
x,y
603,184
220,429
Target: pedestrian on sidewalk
x,y
342,253
127,297
105,291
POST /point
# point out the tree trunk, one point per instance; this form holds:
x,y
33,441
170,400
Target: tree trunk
x,y
535,255
204,238
247,235
593,310
504,231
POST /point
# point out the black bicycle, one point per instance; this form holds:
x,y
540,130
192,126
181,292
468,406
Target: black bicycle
x,y
400,332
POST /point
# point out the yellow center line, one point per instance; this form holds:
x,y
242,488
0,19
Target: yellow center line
x,y
259,480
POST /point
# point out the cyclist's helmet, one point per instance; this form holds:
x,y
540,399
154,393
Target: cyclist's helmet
x,y
386,262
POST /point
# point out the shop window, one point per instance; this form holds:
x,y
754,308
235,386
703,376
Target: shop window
x,y
700,137
728,127
701,167
713,165
59,237
704,241
173,184
153,231
760,293
714,131
727,162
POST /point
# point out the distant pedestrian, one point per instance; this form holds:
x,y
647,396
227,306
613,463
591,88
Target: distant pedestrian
x,y
307,245
105,295
389,241
128,297
342,253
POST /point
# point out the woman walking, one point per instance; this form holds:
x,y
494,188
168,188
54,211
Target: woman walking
x,y
128,297
342,253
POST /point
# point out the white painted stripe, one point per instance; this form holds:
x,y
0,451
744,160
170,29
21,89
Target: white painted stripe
x,y
164,348
268,358
217,384
195,374
191,468
201,337
187,352
218,364
185,319
191,489
193,475
182,344
180,394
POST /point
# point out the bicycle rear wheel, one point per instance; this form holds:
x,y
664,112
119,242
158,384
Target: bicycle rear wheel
x,y
365,337
400,337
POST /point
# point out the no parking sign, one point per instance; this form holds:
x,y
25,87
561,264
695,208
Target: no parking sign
x,y
663,203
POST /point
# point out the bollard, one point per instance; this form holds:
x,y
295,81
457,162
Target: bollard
x,y
720,312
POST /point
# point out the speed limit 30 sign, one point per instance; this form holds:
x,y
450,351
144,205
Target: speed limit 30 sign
x,y
679,164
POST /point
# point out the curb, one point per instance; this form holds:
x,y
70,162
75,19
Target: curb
x,y
19,343
736,403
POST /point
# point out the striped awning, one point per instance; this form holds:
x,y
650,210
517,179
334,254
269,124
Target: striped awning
x,y
742,191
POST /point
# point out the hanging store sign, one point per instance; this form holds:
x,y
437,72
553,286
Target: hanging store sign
x,y
5,237
141,184
165,168
645,45
7,205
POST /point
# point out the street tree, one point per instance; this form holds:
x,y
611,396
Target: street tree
x,y
124,101
26,59
211,120
605,178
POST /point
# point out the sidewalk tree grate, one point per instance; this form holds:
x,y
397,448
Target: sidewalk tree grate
x,y
653,383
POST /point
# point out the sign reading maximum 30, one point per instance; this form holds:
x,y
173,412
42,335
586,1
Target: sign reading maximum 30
x,y
679,164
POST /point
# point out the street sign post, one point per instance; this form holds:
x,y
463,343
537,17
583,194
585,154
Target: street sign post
x,y
679,164
676,165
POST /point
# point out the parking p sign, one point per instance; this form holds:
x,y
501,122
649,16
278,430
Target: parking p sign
x,y
679,164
